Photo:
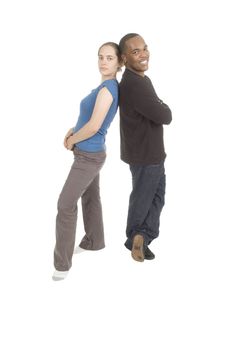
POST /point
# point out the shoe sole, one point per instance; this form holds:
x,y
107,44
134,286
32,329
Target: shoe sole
x,y
137,249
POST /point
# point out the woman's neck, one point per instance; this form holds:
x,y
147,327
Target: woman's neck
x,y
103,78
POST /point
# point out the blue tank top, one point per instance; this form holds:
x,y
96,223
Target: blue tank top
x,y
96,143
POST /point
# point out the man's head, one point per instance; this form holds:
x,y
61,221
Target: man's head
x,y
134,53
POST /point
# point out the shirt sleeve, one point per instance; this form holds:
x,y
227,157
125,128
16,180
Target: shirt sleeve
x,y
147,103
112,87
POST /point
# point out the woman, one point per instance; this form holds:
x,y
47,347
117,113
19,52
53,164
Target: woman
x,y
87,140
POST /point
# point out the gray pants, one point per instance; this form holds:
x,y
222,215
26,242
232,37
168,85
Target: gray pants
x,y
82,181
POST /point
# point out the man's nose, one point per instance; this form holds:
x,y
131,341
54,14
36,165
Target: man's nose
x,y
144,54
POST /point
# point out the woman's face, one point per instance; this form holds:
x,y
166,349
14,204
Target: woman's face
x,y
108,62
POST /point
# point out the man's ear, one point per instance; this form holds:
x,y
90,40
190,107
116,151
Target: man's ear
x,y
124,60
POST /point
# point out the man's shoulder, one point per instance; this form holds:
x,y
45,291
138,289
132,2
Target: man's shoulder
x,y
138,86
130,75
132,79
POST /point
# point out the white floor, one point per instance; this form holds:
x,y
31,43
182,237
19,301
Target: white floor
x,y
181,300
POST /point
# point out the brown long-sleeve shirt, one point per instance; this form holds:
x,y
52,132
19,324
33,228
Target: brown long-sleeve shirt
x,y
142,115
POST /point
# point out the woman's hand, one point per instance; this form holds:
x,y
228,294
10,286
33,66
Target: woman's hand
x,y
70,143
69,133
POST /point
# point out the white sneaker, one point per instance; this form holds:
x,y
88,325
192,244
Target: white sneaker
x,y
78,250
59,275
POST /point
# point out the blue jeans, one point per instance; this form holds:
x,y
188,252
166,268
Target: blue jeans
x,y
146,202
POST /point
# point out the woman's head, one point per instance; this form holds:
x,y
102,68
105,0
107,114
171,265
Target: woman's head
x,y
109,61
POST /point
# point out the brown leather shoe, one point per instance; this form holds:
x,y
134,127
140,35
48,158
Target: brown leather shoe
x,y
137,248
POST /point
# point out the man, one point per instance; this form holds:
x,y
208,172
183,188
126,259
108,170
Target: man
x,y
142,115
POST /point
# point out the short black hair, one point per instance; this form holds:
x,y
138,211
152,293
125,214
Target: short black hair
x,y
124,39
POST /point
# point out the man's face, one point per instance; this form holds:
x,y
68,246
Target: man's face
x,y
136,55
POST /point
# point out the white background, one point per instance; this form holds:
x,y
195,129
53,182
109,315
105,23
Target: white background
x,y
182,299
